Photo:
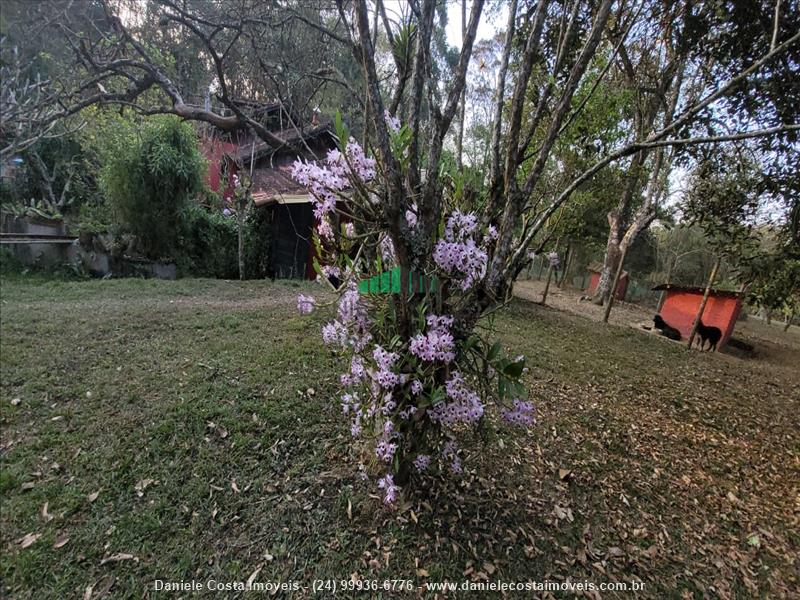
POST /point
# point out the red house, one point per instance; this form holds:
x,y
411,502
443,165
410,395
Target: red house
x,y
682,302
595,269
288,204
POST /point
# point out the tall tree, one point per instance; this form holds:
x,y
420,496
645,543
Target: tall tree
x,y
418,370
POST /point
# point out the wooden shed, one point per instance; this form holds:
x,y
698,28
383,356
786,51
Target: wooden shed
x,y
291,252
595,269
681,303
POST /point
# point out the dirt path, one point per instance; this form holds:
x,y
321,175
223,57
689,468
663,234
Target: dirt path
x,y
568,299
770,343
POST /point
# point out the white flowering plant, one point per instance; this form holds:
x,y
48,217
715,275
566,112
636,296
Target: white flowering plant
x,y
415,376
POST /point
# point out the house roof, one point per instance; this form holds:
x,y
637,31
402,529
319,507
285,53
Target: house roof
x,y
695,289
290,136
597,267
272,184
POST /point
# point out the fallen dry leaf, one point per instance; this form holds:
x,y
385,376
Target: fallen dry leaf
x,y
60,541
615,552
93,496
29,539
234,487
45,513
101,589
119,557
253,575
142,485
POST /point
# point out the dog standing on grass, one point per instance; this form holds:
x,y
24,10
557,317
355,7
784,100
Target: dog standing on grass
x,y
710,333
666,330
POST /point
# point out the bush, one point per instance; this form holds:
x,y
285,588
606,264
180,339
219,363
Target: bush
x,y
257,238
95,217
207,244
149,181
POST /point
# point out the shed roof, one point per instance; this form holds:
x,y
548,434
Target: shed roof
x,y
290,136
597,267
695,289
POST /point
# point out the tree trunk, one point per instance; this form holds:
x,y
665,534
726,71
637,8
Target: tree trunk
x,y
240,218
615,282
610,262
460,138
547,285
567,263
702,308
663,294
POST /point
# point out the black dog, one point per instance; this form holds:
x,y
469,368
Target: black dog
x,y
665,329
712,334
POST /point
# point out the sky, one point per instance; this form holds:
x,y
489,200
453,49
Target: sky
x,y
489,24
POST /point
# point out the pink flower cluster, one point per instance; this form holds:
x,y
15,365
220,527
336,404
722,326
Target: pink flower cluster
x,y
392,122
465,405
356,374
422,462
386,247
437,343
322,182
362,166
385,361
351,327
326,181
329,271
306,304
522,413
386,483
385,450
450,452
458,254
411,216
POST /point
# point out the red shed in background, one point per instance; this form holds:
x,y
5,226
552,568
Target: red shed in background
x,y
285,204
595,269
681,303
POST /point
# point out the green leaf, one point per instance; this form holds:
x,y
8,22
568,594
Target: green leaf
x,y
341,130
514,369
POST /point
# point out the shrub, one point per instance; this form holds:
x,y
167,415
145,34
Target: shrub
x,y
257,238
415,378
150,179
206,243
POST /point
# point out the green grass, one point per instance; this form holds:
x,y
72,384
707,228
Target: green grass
x,y
201,386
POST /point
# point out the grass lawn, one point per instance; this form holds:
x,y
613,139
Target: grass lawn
x,y
191,430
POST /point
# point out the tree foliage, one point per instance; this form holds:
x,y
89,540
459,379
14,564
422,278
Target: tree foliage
x,y
150,179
